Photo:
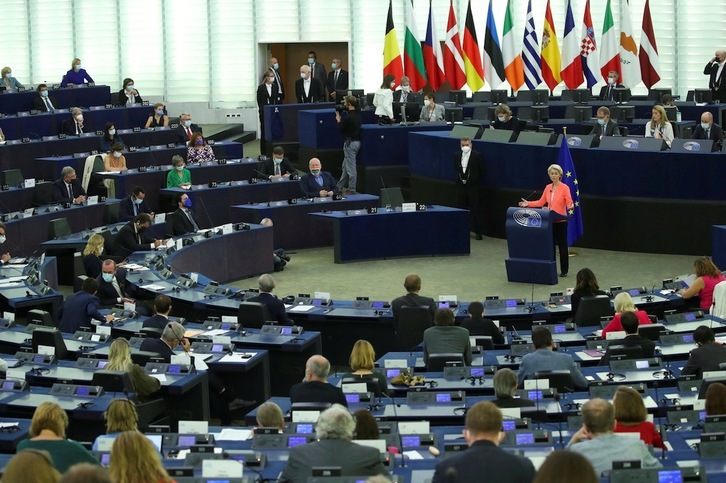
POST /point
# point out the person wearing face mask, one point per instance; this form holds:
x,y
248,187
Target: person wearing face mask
x,y
317,71
183,220
308,89
179,176
267,94
273,68
469,170
128,96
8,81
157,118
198,151
77,75
708,129
135,237
278,166
68,188
186,129
317,183
74,125
431,112
607,91
403,91
605,126
115,160
717,77
113,289
383,100
337,79
505,119
5,257
92,255
110,137
133,205
43,102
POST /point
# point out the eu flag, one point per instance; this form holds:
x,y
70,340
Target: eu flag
x,y
574,226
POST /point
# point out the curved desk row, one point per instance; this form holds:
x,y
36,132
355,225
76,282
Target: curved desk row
x,y
81,96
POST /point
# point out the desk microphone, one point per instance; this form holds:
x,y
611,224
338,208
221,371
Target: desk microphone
x,y
560,413
201,203
265,176
395,421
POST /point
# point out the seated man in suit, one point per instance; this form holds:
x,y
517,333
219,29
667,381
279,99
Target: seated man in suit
x,y
74,125
334,433
171,338
68,188
412,284
317,183
708,129
505,386
133,205
275,307
113,289
80,308
315,387
707,356
134,237
403,90
307,89
606,92
279,166
42,102
162,307
445,337
545,359
183,220
629,321
478,325
484,460
185,130
605,126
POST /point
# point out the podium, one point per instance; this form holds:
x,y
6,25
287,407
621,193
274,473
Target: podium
x,y
531,247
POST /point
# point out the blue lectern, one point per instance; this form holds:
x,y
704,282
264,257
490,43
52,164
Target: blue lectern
x,y
531,248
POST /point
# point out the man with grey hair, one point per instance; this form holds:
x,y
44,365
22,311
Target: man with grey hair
x,y
402,91
275,307
334,431
171,337
74,125
68,188
186,129
315,386
308,89
707,129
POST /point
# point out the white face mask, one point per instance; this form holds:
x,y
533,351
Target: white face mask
x,y
611,81
2,238
466,149
79,118
427,103
303,75
405,88
117,154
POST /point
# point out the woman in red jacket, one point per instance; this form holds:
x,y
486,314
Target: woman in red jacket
x,y
623,303
630,416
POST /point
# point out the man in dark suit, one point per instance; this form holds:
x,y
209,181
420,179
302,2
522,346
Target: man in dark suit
x,y
478,325
315,387
267,94
607,91
469,169
412,284
403,91
275,306
544,358
337,79
183,220
334,432
185,130
278,166
605,126
42,102
171,337
629,321
307,89
113,288
274,69
317,71
483,433
162,307
708,129
80,308
317,183
505,387
74,125
134,237
717,77
68,188
707,356
133,205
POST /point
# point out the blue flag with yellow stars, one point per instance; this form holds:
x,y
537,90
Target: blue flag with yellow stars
x,y
574,226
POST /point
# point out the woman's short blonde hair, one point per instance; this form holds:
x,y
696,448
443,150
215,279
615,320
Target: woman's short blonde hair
x,y
557,168
49,416
93,245
121,416
503,109
5,71
362,356
30,465
623,303
134,458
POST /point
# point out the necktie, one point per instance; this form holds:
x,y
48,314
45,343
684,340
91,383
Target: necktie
x,y
277,170
191,219
189,133
313,71
117,288
79,129
136,208
70,191
48,105
335,82
138,238
610,93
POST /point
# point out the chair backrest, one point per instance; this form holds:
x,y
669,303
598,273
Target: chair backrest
x,y
113,381
88,169
79,270
151,332
43,193
621,352
58,228
591,308
109,241
40,317
51,338
252,315
719,300
370,381
560,380
437,362
12,177
412,322
651,331
111,213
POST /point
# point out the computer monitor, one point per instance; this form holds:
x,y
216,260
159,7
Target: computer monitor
x,y
703,96
499,96
454,114
622,113
582,113
656,95
580,96
357,93
483,96
621,95
540,96
458,96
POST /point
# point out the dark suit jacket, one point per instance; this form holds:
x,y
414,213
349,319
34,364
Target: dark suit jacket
x,y
484,458
263,98
181,133
157,346
611,129
481,326
126,209
607,95
77,311
278,83
705,358
315,94
60,193
180,224
107,293
718,86
411,97
127,243
412,300
268,167
275,307
69,127
715,134
311,188
353,460
320,75
156,321
512,402
340,85
315,391
92,264
39,103
123,98
633,340
474,169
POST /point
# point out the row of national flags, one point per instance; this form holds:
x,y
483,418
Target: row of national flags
x,y
582,60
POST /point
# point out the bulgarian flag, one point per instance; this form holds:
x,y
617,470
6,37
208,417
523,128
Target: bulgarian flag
x,y
413,60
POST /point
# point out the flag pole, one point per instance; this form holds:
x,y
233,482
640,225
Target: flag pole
x,y
570,252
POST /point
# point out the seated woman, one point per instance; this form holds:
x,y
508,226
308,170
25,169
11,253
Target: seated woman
x,y
505,386
431,112
77,75
715,399
362,360
708,276
198,151
157,118
115,160
48,433
92,255
128,96
135,460
110,138
119,359
504,119
8,81
585,286
120,416
269,415
179,177
623,303
630,416
366,427
659,127
30,466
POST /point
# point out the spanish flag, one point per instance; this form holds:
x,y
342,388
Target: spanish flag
x,y
472,55
550,52
392,63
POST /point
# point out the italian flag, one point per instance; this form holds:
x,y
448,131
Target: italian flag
x,y
610,46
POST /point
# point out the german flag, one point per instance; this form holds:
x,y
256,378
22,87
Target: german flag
x,y
392,63
472,55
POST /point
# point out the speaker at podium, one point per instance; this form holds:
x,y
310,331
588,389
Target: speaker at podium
x,y
531,246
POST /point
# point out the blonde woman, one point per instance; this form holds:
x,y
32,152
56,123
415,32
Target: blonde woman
x,y
659,127
30,466
92,256
624,303
135,460
120,416
119,359
77,75
10,82
362,360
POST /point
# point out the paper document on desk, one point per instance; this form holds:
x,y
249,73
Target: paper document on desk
x,y
11,285
214,332
160,377
16,373
229,434
237,357
9,425
135,266
153,287
413,455
302,308
16,263
199,364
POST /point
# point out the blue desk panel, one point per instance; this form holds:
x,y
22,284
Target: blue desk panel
x,y
281,120
388,145
81,96
318,128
